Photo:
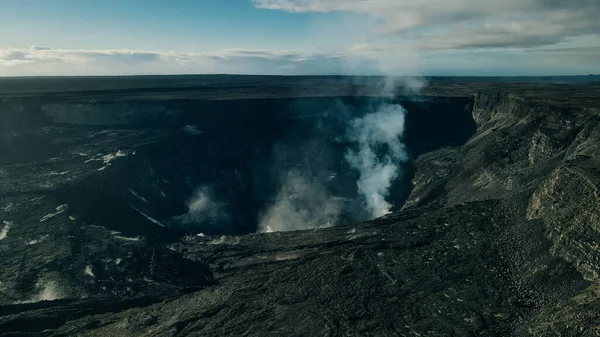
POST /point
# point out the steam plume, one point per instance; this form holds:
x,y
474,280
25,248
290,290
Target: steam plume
x,y
379,154
302,203
202,208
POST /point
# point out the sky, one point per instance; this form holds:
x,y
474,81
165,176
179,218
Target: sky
x,y
300,37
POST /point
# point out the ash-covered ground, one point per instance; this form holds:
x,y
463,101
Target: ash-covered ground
x,y
225,205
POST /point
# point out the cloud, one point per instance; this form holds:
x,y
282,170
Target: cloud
x,y
576,57
39,48
459,24
370,37
47,61
515,62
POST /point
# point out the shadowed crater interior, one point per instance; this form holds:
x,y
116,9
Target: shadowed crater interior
x,y
221,166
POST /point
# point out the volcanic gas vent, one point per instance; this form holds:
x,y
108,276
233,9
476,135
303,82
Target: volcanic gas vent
x,y
236,167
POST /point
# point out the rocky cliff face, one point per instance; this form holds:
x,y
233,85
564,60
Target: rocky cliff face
x,y
538,161
547,152
498,237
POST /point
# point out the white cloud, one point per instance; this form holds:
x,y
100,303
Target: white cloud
x,y
575,57
453,24
398,37
48,61
39,48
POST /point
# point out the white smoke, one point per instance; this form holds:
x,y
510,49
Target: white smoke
x,y
202,208
48,290
379,155
302,203
4,231
407,85
303,200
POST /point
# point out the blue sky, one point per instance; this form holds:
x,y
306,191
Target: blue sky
x,y
396,37
186,25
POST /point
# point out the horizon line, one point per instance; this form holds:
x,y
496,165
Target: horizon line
x,y
292,75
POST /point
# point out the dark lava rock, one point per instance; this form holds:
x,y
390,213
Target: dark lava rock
x,y
497,235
